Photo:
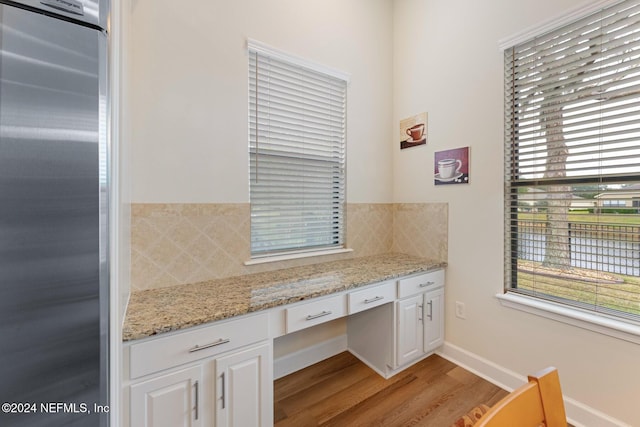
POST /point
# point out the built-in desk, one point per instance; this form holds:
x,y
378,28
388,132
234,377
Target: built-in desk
x,y
201,354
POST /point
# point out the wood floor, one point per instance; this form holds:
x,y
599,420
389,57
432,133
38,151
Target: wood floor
x,y
342,391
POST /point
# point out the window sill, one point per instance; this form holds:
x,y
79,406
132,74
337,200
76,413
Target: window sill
x,y
297,255
620,329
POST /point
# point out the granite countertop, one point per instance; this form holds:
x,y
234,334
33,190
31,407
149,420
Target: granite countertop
x,y
155,311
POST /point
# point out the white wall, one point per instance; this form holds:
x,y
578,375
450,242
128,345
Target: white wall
x,y
447,62
190,90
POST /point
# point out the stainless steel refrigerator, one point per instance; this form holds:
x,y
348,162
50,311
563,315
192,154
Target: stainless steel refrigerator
x,y
54,288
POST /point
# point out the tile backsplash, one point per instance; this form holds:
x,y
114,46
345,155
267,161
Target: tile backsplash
x,y
174,244
421,229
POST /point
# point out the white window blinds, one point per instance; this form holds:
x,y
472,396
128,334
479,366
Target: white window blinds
x,y
297,120
572,131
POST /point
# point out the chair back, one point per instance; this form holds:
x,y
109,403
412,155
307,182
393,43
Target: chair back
x,y
537,403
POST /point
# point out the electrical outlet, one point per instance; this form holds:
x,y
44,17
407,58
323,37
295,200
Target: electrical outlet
x,y
460,310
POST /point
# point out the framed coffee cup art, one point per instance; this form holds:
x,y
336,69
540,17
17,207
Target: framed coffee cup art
x,y
413,131
451,166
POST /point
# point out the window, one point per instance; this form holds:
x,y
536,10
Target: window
x,y
613,203
297,119
572,164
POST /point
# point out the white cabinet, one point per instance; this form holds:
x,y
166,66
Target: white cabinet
x,y
371,297
164,352
305,315
420,316
409,326
244,389
199,378
168,400
390,337
433,319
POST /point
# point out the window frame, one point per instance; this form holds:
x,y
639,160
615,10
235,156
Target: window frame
x,y
289,158
619,327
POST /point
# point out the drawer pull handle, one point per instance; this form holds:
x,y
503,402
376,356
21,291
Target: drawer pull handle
x,y
374,299
315,316
424,285
213,344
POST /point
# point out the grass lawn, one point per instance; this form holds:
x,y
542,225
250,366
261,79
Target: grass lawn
x,y
623,296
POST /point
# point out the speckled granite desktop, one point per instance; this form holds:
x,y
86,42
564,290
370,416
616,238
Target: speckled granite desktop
x,y
155,311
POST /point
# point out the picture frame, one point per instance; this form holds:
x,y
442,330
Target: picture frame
x,y
413,131
451,166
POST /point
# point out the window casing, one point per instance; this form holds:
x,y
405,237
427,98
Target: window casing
x,y
297,125
572,164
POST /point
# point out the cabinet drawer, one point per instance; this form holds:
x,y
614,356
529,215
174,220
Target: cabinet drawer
x,y
371,297
162,353
316,312
420,283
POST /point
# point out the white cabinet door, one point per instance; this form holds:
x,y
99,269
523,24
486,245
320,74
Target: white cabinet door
x,y
244,388
169,400
410,329
433,319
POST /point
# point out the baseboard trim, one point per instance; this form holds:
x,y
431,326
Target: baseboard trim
x,y
300,359
578,414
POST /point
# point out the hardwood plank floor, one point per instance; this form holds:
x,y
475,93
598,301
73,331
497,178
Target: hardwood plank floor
x,y
342,391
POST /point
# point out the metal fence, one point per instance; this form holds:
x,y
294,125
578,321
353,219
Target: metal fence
x,y
603,247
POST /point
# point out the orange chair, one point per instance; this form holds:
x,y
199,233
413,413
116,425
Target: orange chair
x,y
535,404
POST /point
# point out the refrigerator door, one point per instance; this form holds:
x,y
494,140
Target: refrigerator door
x,y
53,322
92,12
